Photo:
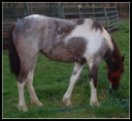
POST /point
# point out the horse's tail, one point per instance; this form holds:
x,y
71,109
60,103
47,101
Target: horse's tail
x,y
13,55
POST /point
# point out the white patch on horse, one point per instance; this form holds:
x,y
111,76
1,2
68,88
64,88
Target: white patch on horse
x,y
21,105
80,30
95,40
93,97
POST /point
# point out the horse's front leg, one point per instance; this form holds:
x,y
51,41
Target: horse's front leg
x,y
74,77
93,85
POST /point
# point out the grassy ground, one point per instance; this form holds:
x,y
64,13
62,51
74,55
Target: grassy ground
x,y
51,81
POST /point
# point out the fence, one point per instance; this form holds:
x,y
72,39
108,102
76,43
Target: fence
x,y
108,17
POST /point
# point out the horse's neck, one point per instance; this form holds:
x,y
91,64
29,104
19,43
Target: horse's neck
x,y
109,58
112,57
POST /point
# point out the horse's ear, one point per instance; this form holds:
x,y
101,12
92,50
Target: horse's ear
x,y
123,57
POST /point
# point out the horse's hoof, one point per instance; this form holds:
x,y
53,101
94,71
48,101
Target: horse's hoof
x,y
37,103
67,102
94,103
22,108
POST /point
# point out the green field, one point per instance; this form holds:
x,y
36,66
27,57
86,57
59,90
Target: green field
x,y
51,81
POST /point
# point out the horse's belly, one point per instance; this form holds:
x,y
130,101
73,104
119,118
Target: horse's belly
x,y
61,54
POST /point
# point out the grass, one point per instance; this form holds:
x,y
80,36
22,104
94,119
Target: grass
x,y
51,81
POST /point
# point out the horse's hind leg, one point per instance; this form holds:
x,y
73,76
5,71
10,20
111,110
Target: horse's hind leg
x,y
29,83
26,77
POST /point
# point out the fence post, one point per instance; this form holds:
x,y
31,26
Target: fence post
x,y
26,9
60,10
79,7
106,18
117,16
93,13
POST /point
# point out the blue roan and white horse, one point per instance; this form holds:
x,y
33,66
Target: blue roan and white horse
x,y
79,41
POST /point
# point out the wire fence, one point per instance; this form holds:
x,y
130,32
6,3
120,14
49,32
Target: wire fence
x,y
108,17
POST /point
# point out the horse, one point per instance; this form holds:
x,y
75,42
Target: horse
x,y
79,41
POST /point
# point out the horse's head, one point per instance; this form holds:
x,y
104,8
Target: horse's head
x,y
115,72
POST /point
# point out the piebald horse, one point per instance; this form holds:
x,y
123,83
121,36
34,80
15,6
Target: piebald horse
x,y
77,41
